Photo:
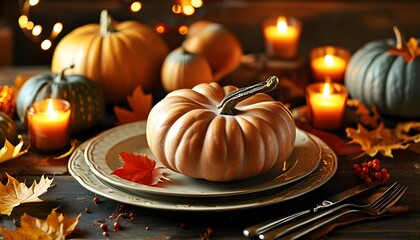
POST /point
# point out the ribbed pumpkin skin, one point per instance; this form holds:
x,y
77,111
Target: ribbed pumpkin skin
x,y
85,96
7,130
377,77
119,61
182,69
187,134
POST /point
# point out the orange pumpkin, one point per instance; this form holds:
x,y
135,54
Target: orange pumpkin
x,y
217,44
182,69
212,132
119,56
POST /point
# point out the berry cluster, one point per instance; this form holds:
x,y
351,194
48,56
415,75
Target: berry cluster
x,y
371,171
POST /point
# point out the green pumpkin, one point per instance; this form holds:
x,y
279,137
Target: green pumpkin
x,y
384,74
7,130
85,96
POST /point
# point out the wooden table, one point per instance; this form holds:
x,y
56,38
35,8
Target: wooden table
x,y
73,199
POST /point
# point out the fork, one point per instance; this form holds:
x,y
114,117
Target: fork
x,y
376,207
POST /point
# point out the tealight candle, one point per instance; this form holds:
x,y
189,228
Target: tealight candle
x,y
49,124
282,36
329,63
326,103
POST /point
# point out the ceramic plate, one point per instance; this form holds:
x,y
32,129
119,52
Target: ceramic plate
x,y
84,175
102,156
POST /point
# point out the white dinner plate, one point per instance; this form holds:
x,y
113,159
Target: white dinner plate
x,y
102,156
83,174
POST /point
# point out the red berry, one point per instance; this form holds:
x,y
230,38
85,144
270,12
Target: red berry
x,y
369,164
103,226
117,226
368,180
356,166
364,164
105,234
375,161
376,167
386,177
366,170
96,200
384,171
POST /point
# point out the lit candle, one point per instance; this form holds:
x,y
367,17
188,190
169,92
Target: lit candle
x,y
326,104
329,63
282,37
49,124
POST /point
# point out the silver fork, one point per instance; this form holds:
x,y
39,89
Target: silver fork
x,y
376,207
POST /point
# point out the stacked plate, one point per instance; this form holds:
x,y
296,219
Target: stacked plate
x,y
311,164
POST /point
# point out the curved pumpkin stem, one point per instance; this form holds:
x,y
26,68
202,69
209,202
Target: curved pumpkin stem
x,y
105,23
60,77
398,38
227,105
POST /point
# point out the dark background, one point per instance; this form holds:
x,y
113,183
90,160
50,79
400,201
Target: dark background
x,y
345,23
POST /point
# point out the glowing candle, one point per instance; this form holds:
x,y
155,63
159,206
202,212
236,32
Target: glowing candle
x,y
49,124
326,103
282,37
329,63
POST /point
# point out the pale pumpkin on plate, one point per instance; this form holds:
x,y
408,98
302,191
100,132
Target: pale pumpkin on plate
x,y
219,134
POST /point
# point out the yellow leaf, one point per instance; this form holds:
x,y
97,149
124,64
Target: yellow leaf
x,y
57,226
9,151
140,104
14,193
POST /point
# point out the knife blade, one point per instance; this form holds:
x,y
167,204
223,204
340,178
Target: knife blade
x,y
346,195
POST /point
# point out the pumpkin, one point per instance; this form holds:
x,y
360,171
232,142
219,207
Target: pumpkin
x,y
85,96
221,133
182,69
7,130
386,73
119,56
217,44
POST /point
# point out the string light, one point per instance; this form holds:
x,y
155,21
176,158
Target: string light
x,y
33,31
136,6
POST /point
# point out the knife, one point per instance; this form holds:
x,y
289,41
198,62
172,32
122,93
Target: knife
x,y
348,194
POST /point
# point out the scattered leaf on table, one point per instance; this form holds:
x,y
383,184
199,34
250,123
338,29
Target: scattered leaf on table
x,y
140,169
14,193
367,117
9,151
384,140
57,226
140,103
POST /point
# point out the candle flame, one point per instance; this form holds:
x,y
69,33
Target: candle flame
x,y
326,91
282,24
51,111
329,60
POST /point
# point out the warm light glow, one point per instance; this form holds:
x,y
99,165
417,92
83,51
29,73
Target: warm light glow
x,y
188,10
160,28
136,6
282,24
37,30
23,21
50,110
329,60
46,44
30,25
196,3
33,2
326,92
58,27
183,29
176,8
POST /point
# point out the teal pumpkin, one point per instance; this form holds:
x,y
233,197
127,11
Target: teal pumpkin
x,y
385,74
7,130
85,96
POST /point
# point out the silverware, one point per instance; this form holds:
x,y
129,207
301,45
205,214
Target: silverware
x,y
378,206
355,191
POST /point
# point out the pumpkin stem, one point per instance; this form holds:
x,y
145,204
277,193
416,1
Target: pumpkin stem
x,y
105,23
227,105
398,38
61,76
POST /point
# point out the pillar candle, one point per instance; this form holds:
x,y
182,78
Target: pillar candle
x,y
49,124
329,63
326,103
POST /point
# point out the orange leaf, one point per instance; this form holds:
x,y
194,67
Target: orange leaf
x,y
140,169
14,193
140,104
57,226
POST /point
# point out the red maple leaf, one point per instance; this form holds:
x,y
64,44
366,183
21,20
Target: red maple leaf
x,y
139,169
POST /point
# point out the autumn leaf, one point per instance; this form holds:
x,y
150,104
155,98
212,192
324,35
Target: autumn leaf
x,y
9,151
56,226
140,103
140,169
14,193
